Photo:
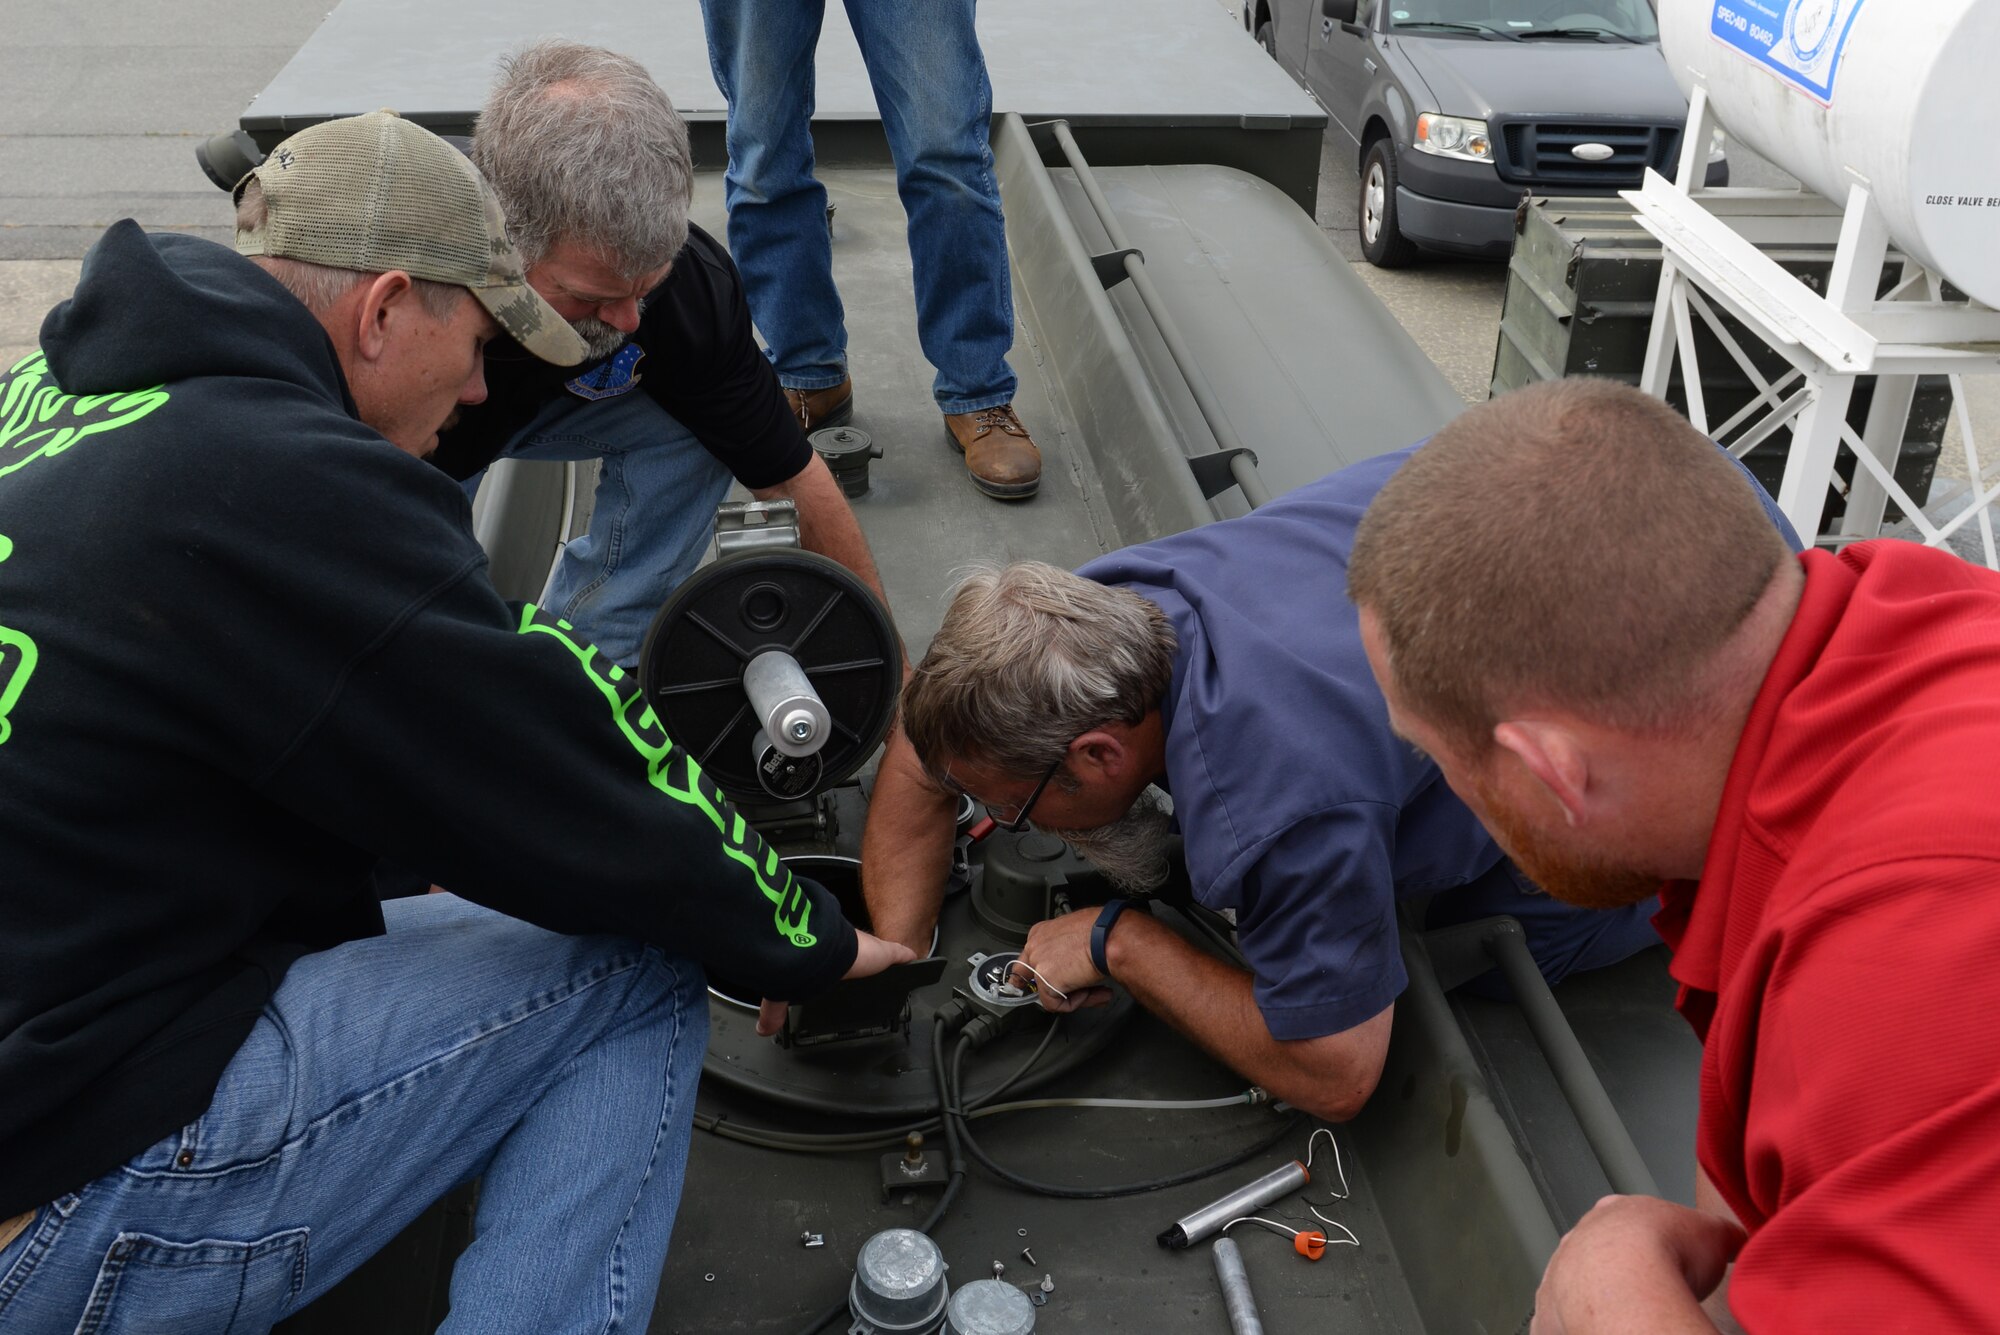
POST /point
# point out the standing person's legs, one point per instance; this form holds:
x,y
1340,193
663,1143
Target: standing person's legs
x,y
381,1074
762,54
650,523
930,84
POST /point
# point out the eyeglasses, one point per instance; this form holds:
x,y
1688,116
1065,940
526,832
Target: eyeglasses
x,y
1020,821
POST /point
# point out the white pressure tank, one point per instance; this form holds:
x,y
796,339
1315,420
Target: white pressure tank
x,y
1901,96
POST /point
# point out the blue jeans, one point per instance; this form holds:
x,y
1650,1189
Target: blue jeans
x,y
930,85
560,1070
654,514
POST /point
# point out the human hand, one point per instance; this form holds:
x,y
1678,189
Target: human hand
x,y
1638,1262
871,955
1058,951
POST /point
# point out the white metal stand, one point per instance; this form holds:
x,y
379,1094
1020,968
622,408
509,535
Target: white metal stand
x,y
1712,263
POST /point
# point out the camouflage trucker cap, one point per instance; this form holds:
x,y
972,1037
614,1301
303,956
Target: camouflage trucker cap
x,y
376,192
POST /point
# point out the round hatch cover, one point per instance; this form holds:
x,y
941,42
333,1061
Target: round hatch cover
x,y
692,663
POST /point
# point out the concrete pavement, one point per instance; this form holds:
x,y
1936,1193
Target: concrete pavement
x,y
103,101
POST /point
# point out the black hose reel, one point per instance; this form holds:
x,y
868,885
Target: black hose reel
x,y
776,668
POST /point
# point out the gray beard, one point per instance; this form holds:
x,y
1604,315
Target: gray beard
x,y
602,339
1132,850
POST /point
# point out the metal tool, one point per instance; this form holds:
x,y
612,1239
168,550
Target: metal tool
x,y
1246,1199
1236,1295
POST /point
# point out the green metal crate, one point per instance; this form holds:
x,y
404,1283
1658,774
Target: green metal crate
x,y
1579,301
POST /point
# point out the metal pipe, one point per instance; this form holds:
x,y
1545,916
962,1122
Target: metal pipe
x,y
1236,1295
1240,466
1602,1127
787,706
1247,1199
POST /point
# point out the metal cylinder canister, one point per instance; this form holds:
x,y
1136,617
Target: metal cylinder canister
x,y
787,706
1246,1199
899,1285
989,1307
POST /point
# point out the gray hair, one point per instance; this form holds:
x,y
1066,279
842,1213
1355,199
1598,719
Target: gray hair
x,y
319,286
582,146
1029,658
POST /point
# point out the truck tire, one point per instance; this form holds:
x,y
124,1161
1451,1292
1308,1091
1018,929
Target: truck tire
x,y
1268,40
1382,239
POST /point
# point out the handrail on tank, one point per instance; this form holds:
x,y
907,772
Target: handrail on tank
x,y
1501,941
1242,464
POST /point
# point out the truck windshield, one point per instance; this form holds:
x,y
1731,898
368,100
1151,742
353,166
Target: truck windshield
x,y
1586,20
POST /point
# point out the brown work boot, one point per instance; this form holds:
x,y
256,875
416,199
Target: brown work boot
x,y
815,408
998,451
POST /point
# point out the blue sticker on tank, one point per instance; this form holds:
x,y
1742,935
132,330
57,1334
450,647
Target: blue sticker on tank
x,y
617,375
1800,41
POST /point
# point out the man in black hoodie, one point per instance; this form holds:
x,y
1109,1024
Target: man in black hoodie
x,y
247,648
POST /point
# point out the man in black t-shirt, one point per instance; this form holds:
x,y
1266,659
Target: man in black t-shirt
x,y
592,164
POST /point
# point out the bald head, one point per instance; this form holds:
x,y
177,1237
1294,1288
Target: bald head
x,y
1575,545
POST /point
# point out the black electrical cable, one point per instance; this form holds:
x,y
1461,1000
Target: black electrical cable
x,y
955,1116
954,1160
804,1142
954,1156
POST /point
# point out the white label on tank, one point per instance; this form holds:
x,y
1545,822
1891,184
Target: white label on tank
x,y
1800,41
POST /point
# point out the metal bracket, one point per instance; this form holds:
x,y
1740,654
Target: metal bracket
x,y
1212,472
901,1173
1110,266
751,526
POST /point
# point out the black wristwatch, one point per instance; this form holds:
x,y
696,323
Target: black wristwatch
x,y
1101,929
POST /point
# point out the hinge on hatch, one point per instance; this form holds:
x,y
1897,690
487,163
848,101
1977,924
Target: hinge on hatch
x,y
751,526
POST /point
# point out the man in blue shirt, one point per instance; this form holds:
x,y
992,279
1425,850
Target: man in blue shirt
x,y
1223,665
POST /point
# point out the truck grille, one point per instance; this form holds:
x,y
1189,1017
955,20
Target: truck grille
x,y
1537,153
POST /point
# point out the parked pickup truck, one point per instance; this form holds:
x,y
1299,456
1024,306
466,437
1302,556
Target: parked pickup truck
x,y
1455,109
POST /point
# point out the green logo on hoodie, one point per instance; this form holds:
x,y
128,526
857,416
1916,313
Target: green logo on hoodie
x,y
674,772
17,659
38,419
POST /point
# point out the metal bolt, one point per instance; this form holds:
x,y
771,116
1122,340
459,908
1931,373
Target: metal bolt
x,y
1027,1256
913,1147
1048,1284
801,730
998,1270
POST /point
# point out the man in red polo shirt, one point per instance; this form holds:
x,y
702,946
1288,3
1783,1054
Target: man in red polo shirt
x,y
1649,687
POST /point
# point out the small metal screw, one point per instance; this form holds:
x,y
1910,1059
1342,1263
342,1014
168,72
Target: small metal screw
x,y
1027,1256
998,1270
801,730
1048,1284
